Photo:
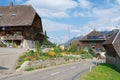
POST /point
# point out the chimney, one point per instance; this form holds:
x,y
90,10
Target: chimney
x,y
11,4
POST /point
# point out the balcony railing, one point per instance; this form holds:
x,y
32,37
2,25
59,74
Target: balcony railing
x,y
10,37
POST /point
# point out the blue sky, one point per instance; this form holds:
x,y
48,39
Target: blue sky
x,y
77,17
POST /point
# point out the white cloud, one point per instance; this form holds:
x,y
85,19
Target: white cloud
x,y
54,26
116,19
104,18
85,4
118,1
78,14
53,4
52,13
82,14
75,30
52,8
61,39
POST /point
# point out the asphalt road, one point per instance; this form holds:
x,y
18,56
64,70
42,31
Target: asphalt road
x,y
8,59
63,72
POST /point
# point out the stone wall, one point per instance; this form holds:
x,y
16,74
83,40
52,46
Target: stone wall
x,y
113,60
44,63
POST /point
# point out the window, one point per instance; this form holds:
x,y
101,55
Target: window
x,y
95,37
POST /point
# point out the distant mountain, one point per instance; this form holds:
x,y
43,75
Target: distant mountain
x,y
110,33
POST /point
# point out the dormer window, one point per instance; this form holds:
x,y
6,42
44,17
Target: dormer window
x,y
13,15
1,15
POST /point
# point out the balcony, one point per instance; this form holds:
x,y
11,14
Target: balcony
x,y
10,37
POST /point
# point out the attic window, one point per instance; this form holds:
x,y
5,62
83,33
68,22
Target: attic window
x,y
1,15
13,15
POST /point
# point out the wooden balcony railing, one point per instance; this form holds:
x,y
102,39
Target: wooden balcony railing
x,y
10,37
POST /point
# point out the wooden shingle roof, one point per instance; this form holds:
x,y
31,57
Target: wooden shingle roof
x,y
21,15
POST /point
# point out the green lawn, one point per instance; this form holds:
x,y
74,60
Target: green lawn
x,y
102,72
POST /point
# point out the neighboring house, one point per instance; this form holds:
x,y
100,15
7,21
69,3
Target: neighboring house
x,y
20,24
75,42
94,39
112,47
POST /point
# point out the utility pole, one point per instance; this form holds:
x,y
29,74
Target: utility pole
x,y
69,35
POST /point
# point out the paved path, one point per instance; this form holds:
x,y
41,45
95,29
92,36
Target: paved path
x,y
8,58
62,72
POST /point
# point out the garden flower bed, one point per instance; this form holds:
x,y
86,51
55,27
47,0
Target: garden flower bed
x,y
31,60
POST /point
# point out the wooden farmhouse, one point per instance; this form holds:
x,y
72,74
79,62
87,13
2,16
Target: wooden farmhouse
x,y
94,39
112,47
20,24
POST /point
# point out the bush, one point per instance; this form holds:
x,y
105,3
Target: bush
x,y
38,48
92,51
30,53
83,52
73,48
51,53
62,54
67,58
86,56
43,57
29,69
2,45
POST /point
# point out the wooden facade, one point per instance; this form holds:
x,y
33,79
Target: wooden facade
x,y
94,44
112,47
20,24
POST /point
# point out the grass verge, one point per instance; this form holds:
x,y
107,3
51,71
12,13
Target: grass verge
x,y
102,72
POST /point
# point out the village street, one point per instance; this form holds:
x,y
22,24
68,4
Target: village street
x,y
62,72
8,59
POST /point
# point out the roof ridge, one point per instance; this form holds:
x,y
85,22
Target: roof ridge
x,y
116,36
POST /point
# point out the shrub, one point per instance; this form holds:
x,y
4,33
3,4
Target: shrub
x,y
31,58
73,48
29,69
86,56
82,52
30,53
38,48
63,54
92,51
13,44
51,53
43,57
18,67
2,45
67,58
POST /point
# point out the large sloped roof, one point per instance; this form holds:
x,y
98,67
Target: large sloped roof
x,y
21,15
115,41
110,40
